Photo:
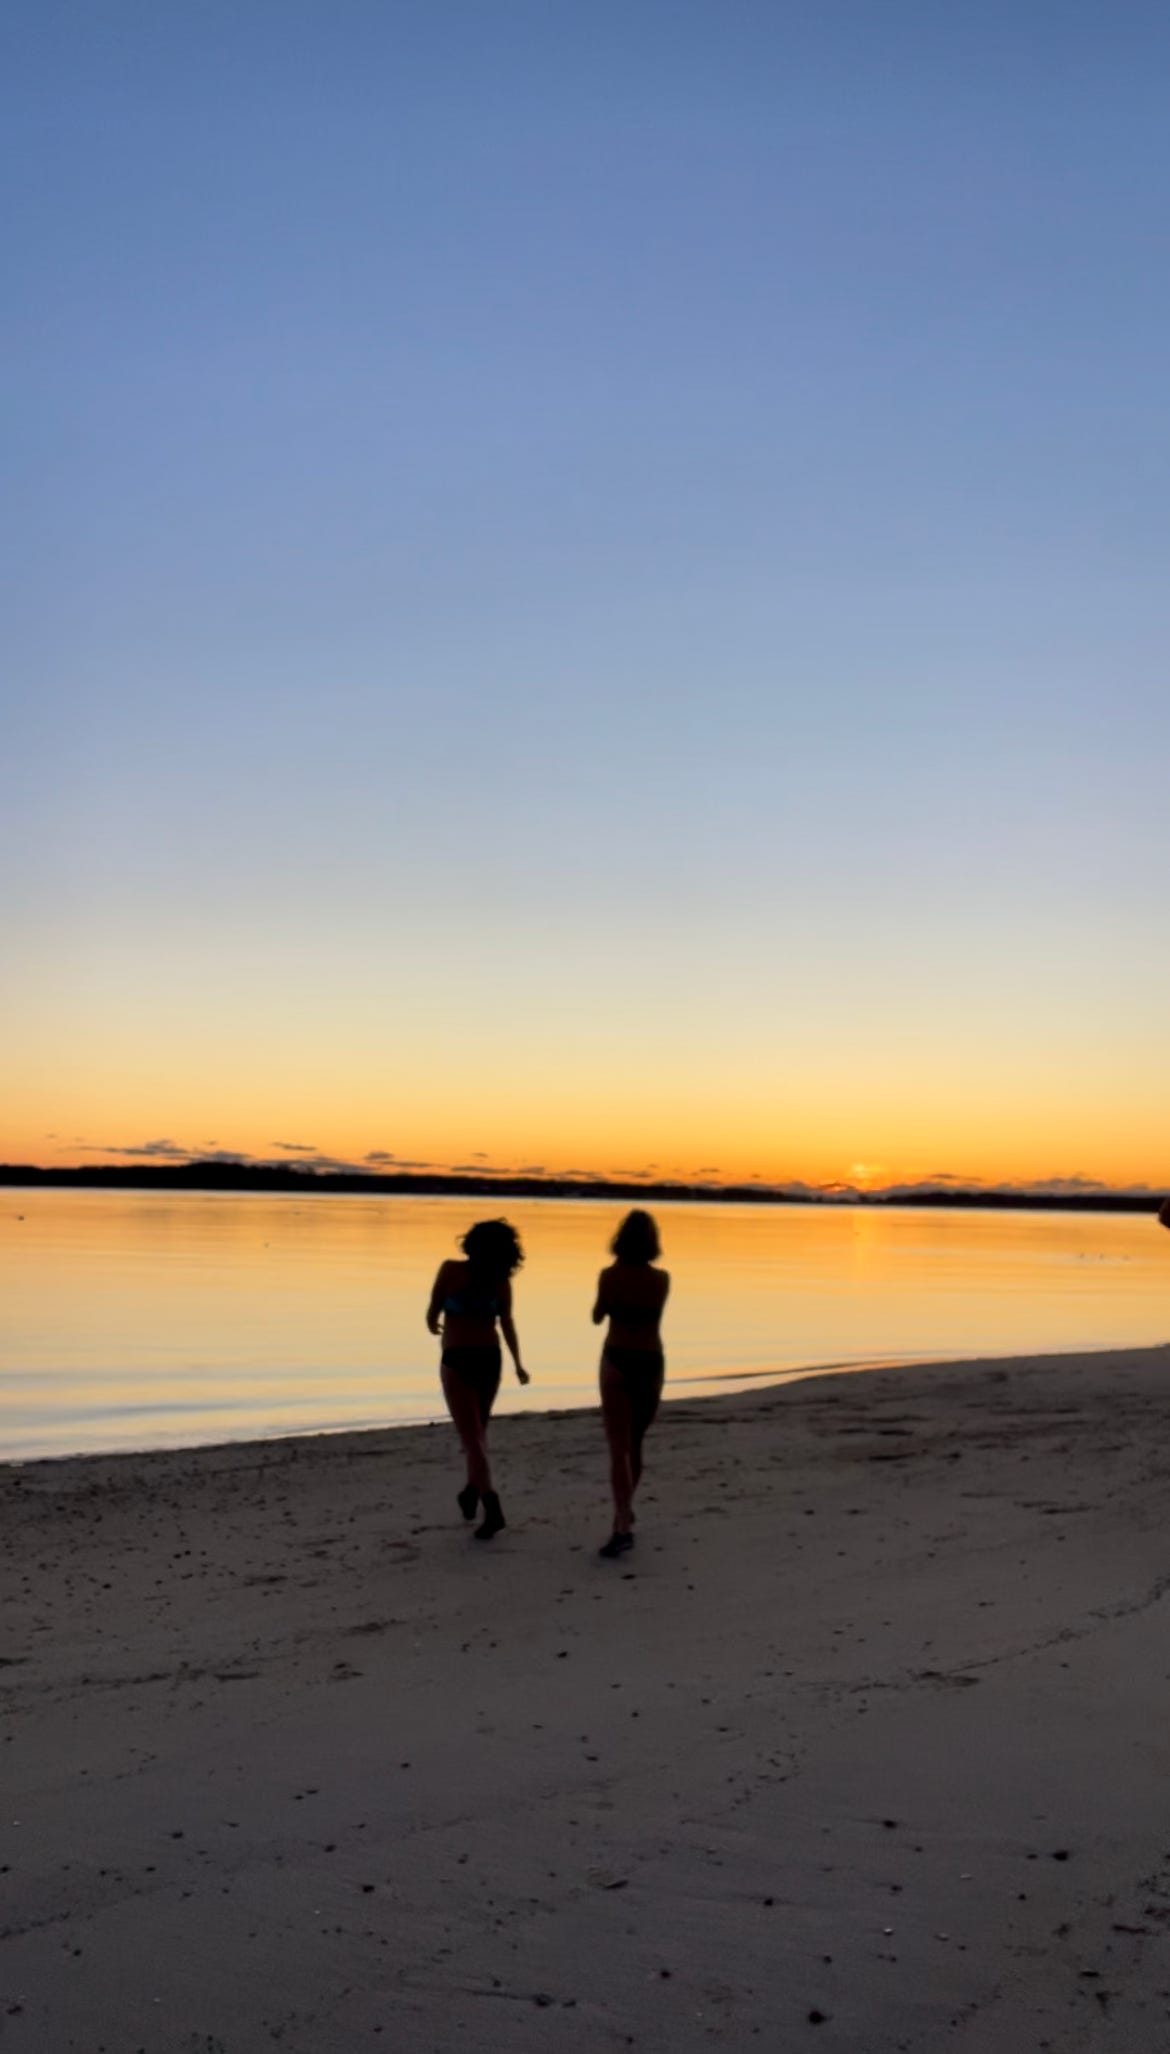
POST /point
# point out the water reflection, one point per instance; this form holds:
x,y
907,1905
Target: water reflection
x,y
135,1320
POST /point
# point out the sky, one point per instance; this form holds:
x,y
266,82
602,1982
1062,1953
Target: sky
x,y
584,586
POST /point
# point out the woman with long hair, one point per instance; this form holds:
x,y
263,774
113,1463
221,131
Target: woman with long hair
x,y
467,1300
631,1295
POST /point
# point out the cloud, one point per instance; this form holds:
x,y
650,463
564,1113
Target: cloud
x,y
381,1158
1054,1186
296,1147
162,1151
1075,1186
532,1170
314,1161
166,1151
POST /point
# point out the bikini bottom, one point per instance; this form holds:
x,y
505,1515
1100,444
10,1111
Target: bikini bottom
x,y
642,1372
479,1370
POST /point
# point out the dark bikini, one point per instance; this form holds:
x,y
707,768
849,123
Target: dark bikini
x,y
478,1366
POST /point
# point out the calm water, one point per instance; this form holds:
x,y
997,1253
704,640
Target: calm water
x,y
130,1320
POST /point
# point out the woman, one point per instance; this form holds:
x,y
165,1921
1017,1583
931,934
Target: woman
x,y
467,1300
631,1294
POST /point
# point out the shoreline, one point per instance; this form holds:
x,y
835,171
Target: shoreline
x,y
871,1725
762,1379
746,1384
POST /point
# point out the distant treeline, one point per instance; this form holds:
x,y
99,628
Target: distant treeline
x,y
219,1176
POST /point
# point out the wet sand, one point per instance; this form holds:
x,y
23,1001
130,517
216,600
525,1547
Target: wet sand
x,y
866,1746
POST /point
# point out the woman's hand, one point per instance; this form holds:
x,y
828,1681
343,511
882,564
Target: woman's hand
x,y
522,1375
599,1312
435,1307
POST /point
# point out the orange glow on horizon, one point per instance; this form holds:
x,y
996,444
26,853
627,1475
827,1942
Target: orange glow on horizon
x,y
603,1155
812,1100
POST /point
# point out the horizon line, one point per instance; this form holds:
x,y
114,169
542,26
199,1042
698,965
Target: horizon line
x,y
229,1170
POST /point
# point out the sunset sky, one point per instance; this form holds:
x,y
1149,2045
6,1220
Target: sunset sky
x,y
585,586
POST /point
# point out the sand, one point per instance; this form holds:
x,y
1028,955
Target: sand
x,y
865,1747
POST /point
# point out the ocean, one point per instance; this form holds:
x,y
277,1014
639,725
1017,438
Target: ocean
x,y
133,1320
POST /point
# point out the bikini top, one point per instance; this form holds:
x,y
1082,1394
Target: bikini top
x,y
471,1308
629,1315
472,1304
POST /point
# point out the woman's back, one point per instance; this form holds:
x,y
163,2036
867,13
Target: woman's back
x,y
632,1296
471,1300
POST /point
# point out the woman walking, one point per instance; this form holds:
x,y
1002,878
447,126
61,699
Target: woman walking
x,y
631,1295
467,1300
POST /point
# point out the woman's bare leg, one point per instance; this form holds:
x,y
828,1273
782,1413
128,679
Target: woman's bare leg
x,y
615,1409
640,1425
463,1405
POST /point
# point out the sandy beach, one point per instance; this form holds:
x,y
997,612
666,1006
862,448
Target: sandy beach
x,y
866,1745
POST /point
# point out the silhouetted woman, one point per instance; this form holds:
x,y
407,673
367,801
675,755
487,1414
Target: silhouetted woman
x,y
631,1295
467,1300
1164,1215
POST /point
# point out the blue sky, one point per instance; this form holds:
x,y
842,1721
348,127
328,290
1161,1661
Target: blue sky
x,y
671,490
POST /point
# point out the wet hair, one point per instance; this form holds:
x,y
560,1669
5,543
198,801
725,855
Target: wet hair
x,y
636,1239
493,1248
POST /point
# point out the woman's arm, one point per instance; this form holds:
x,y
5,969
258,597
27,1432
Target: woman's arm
x,y
508,1330
438,1293
599,1307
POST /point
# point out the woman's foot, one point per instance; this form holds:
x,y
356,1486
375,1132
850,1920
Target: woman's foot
x,y
617,1544
493,1521
468,1500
